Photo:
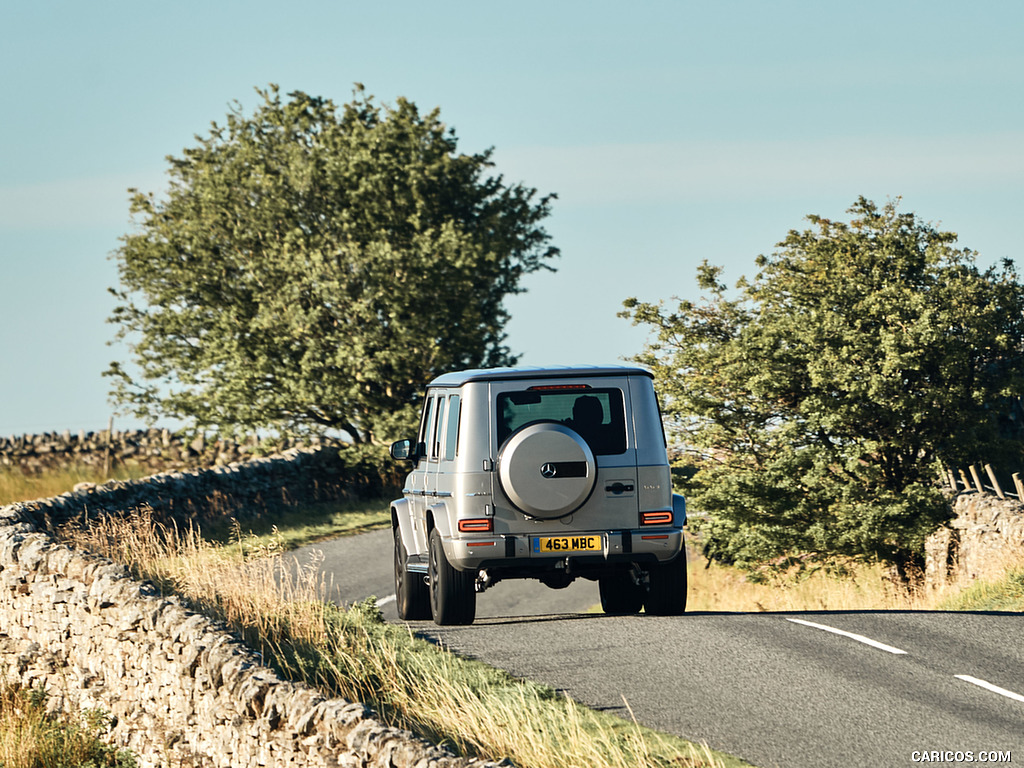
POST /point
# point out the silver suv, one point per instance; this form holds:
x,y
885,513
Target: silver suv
x,y
538,473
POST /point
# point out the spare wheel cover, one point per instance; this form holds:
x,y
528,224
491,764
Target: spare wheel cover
x,y
547,470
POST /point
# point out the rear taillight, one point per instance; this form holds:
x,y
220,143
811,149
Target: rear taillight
x,y
477,525
661,517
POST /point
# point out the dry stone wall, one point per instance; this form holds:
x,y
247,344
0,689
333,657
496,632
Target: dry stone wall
x,y
182,690
242,490
985,534
153,449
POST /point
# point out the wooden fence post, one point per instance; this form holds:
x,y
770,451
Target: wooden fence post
x,y
106,457
965,481
995,483
1018,485
977,480
951,479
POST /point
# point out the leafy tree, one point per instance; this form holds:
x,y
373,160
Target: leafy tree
x,y
312,267
818,399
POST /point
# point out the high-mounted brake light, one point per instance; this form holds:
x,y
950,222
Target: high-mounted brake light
x,y
661,517
552,387
477,525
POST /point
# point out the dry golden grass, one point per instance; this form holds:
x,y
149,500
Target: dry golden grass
x,y
278,606
15,485
30,737
859,588
720,588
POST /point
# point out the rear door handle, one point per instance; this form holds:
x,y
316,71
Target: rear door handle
x,y
617,488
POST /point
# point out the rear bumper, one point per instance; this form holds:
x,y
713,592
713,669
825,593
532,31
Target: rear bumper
x,y
518,552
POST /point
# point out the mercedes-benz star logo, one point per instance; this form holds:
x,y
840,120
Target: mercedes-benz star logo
x,y
549,470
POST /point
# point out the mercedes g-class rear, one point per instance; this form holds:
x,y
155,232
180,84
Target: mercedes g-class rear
x,y
546,473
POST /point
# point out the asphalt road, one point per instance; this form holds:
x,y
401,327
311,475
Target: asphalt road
x,y
819,689
361,566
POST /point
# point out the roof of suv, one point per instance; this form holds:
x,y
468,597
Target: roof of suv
x,y
458,378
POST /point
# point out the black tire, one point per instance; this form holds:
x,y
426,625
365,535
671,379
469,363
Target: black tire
x,y
619,594
452,592
667,593
412,596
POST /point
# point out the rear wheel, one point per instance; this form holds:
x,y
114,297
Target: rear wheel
x,y
667,594
411,594
452,592
619,593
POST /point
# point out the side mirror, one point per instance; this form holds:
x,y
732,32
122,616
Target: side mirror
x,y
407,450
401,449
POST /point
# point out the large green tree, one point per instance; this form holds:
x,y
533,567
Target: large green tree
x,y
311,267
818,399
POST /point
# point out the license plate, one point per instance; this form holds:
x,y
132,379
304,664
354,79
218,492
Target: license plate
x,y
543,545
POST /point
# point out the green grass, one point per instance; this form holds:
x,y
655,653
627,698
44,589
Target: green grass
x,y
30,737
303,524
1005,594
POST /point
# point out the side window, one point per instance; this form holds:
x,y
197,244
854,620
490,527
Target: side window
x,y
427,424
435,440
451,433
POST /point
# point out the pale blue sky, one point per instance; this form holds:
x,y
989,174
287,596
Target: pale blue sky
x,y
671,131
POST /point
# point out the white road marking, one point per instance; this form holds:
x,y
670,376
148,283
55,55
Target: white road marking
x,y
386,600
990,687
882,646
851,635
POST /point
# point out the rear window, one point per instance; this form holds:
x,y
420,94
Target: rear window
x,y
597,415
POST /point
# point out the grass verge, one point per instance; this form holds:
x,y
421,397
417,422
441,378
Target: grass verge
x,y
1005,594
859,588
15,485
279,608
30,737
303,524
